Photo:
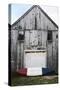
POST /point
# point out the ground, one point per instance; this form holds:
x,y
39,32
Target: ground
x,y
18,80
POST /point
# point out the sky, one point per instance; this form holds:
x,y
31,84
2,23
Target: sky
x,y
17,10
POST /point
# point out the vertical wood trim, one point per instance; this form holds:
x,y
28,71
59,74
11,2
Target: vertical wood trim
x,y
41,38
21,45
23,48
29,38
23,56
47,52
17,54
47,49
52,49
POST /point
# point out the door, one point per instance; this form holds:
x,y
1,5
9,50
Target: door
x,y
35,59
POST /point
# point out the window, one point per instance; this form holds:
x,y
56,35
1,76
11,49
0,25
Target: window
x,y
57,36
49,36
35,23
21,37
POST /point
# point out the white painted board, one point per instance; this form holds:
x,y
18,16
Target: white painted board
x,y
35,59
34,71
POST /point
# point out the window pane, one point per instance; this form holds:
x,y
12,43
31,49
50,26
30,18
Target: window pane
x,y
49,37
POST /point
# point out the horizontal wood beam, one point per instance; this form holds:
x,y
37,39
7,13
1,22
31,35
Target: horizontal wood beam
x,y
34,29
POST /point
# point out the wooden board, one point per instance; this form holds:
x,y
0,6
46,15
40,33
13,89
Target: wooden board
x,y
35,59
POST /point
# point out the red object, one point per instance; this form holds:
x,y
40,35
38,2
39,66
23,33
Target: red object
x,y
22,71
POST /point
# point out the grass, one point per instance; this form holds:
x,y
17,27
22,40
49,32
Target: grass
x,y
18,80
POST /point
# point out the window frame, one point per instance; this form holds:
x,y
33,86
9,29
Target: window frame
x,y
49,36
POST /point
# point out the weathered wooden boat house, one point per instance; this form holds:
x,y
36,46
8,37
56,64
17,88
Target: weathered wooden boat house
x,y
34,41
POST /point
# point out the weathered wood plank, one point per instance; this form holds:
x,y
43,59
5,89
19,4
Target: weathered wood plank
x,y
28,22
14,36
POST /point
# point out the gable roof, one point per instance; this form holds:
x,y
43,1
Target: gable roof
x,y
30,10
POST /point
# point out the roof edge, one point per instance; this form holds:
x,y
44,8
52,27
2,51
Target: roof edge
x,y
30,10
47,16
23,15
